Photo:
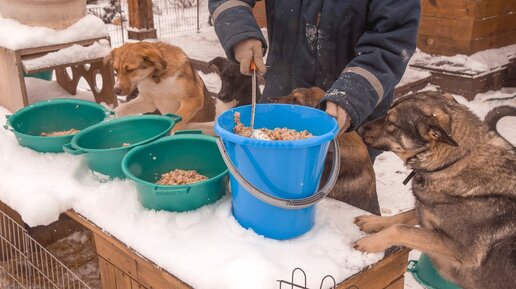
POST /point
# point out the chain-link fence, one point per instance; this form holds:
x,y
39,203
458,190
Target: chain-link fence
x,y
171,17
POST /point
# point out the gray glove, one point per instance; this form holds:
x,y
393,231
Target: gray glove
x,y
249,50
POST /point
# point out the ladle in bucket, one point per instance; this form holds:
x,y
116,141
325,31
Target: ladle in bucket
x,y
290,204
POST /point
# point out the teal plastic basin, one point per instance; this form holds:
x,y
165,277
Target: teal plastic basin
x,y
425,273
102,144
53,115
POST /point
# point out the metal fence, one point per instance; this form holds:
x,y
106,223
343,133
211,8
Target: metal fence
x,y
171,18
25,264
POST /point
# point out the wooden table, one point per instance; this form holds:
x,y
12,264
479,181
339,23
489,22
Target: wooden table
x,y
123,268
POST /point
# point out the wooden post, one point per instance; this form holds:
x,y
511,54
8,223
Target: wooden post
x,y
141,20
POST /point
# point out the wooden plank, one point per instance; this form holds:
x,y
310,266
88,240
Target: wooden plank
x,y
456,9
446,28
64,65
259,14
398,284
13,95
123,281
52,48
107,274
490,8
494,26
136,285
495,41
120,258
387,271
152,277
443,46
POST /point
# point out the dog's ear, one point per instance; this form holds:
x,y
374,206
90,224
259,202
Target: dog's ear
x,y
155,58
449,97
219,63
431,130
109,57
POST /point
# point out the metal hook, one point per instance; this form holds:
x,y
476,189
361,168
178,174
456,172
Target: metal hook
x,y
334,282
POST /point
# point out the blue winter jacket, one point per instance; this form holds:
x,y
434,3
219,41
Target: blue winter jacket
x,y
356,50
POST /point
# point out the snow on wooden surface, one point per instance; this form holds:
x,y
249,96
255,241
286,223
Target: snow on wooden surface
x,y
480,62
206,248
73,54
14,35
39,90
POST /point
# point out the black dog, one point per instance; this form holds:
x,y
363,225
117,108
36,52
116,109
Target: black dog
x,y
236,87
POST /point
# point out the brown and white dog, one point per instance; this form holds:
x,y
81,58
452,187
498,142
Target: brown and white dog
x,y
165,79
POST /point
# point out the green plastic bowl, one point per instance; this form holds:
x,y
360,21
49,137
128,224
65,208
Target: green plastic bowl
x,y
425,273
187,151
45,75
61,114
102,144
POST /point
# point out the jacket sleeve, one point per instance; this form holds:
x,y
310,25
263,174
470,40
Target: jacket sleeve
x,y
234,22
382,55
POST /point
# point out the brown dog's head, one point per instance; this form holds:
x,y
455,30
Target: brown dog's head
x,y
414,124
302,96
134,62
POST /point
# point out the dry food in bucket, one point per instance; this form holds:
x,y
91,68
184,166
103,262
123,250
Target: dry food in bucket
x,y
60,133
181,177
268,134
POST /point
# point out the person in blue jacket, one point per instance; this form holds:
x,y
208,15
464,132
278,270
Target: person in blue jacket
x,y
355,50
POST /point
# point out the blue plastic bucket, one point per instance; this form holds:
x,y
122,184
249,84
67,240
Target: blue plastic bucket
x,y
274,183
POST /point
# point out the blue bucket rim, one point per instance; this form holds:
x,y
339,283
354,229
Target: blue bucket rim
x,y
283,144
171,120
48,102
131,153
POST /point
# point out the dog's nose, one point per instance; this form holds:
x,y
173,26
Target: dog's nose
x,y
117,90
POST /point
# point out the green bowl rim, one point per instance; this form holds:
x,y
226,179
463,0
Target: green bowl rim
x,y
27,108
128,174
74,144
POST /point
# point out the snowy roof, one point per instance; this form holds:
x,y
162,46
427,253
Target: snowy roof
x,y
205,248
14,35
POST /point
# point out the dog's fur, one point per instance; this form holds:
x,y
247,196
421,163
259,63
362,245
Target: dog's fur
x,y
465,189
236,88
356,184
165,79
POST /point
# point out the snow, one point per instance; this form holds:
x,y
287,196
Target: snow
x,y
479,63
39,90
14,35
73,54
206,248
211,80
412,75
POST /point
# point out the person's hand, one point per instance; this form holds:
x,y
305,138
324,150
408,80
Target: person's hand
x,y
340,114
249,50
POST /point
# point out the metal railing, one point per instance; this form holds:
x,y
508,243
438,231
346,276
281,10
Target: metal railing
x,y
25,264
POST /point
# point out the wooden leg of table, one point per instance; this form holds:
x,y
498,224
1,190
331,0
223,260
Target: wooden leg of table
x,y
105,92
398,284
68,83
13,93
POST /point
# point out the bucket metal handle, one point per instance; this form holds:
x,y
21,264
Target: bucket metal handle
x,y
71,150
280,202
172,190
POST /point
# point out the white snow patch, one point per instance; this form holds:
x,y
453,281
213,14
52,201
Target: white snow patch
x,y
39,90
211,80
14,35
480,62
413,74
206,248
73,54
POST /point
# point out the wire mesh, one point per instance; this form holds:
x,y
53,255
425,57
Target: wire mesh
x,y
25,264
171,18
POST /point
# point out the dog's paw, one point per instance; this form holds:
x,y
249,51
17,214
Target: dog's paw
x,y
371,244
371,223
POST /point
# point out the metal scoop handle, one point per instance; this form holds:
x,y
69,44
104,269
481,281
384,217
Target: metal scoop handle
x,y
253,89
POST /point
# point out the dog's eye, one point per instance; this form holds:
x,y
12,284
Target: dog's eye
x,y
129,70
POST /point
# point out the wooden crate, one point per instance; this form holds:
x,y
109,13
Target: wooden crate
x,y
466,26
123,268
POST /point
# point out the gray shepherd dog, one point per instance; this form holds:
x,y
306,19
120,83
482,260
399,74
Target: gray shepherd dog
x,y
464,183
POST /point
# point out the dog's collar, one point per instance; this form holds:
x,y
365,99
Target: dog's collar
x,y
409,177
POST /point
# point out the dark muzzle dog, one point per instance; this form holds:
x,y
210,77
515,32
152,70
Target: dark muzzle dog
x,y
465,190
356,184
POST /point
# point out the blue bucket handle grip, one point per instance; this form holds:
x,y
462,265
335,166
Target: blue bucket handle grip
x,y
411,266
176,118
172,190
292,204
71,150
